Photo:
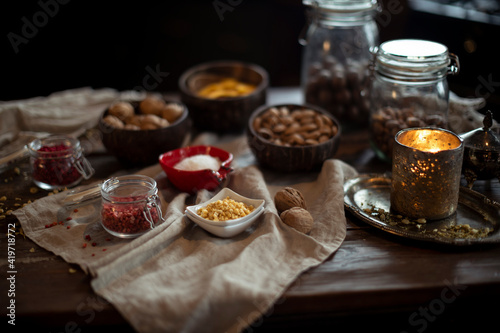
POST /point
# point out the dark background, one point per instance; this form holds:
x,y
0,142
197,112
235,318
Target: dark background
x,y
112,44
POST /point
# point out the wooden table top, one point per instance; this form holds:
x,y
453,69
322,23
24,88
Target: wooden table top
x,y
374,280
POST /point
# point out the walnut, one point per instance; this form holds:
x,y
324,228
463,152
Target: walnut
x,y
151,105
131,127
287,198
298,218
113,121
172,112
121,110
135,120
151,121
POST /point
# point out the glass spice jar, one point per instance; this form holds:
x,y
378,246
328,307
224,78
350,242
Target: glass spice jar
x,y
130,205
335,72
409,89
58,162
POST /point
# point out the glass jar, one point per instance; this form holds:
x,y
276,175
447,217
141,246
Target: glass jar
x,y
57,162
335,71
130,205
409,89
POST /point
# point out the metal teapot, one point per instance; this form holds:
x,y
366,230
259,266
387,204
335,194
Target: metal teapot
x,y
481,153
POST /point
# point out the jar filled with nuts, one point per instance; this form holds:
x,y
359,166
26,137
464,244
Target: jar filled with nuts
x,y
335,65
409,89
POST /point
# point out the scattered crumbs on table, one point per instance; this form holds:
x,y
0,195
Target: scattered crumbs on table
x,y
464,231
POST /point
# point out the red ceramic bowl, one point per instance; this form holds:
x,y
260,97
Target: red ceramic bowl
x,y
192,181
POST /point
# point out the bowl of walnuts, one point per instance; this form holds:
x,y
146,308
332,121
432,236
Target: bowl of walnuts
x,y
292,137
137,132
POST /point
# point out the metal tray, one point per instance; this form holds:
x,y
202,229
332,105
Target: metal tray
x,y
368,198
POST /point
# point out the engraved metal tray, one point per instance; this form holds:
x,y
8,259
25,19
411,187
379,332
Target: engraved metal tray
x,y
368,195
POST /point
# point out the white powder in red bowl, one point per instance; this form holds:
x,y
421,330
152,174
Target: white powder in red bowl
x,y
199,162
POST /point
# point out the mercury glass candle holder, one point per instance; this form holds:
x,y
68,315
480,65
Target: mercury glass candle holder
x,y
426,171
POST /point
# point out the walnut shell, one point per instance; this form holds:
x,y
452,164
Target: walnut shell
x,y
151,121
151,105
135,120
298,218
122,110
172,112
113,121
131,127
287,198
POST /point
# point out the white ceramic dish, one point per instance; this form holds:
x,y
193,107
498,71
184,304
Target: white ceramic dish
x,y
228,228
226,192
220,224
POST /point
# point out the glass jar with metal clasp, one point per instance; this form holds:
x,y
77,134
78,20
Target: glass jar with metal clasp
x,y
409,89
130,205
58,162
335,71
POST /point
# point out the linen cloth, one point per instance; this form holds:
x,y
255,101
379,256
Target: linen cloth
x,y
68,112
178,277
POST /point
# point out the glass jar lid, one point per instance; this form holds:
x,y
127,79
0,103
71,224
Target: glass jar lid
x,y
342,6
128,188
415,59
55,147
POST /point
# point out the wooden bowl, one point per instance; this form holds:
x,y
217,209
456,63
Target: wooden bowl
x,y
143,147
291,158
226,114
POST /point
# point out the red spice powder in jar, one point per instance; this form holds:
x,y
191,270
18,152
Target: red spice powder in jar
x,y
126,215
130,206
54,162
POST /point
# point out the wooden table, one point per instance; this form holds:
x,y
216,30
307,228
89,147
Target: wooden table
x,y
374,281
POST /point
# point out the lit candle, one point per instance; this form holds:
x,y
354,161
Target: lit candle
x,y
426,171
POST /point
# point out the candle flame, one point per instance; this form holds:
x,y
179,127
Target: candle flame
x,y
429,140
326,46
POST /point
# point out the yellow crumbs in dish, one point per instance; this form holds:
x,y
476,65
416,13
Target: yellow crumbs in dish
x,y
226,88
226,209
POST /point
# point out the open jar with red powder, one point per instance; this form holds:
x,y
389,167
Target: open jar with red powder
x,y
130,205
58,162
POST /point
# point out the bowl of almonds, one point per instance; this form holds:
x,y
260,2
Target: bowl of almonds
x,y
291,137
137,132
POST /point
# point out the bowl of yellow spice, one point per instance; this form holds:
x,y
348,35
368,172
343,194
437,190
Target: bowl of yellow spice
x,y
221,95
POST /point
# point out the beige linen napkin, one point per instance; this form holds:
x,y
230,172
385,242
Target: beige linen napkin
x,y
65,112
69,112
178,277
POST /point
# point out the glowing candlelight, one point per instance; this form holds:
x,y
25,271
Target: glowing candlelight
x,y
426,170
